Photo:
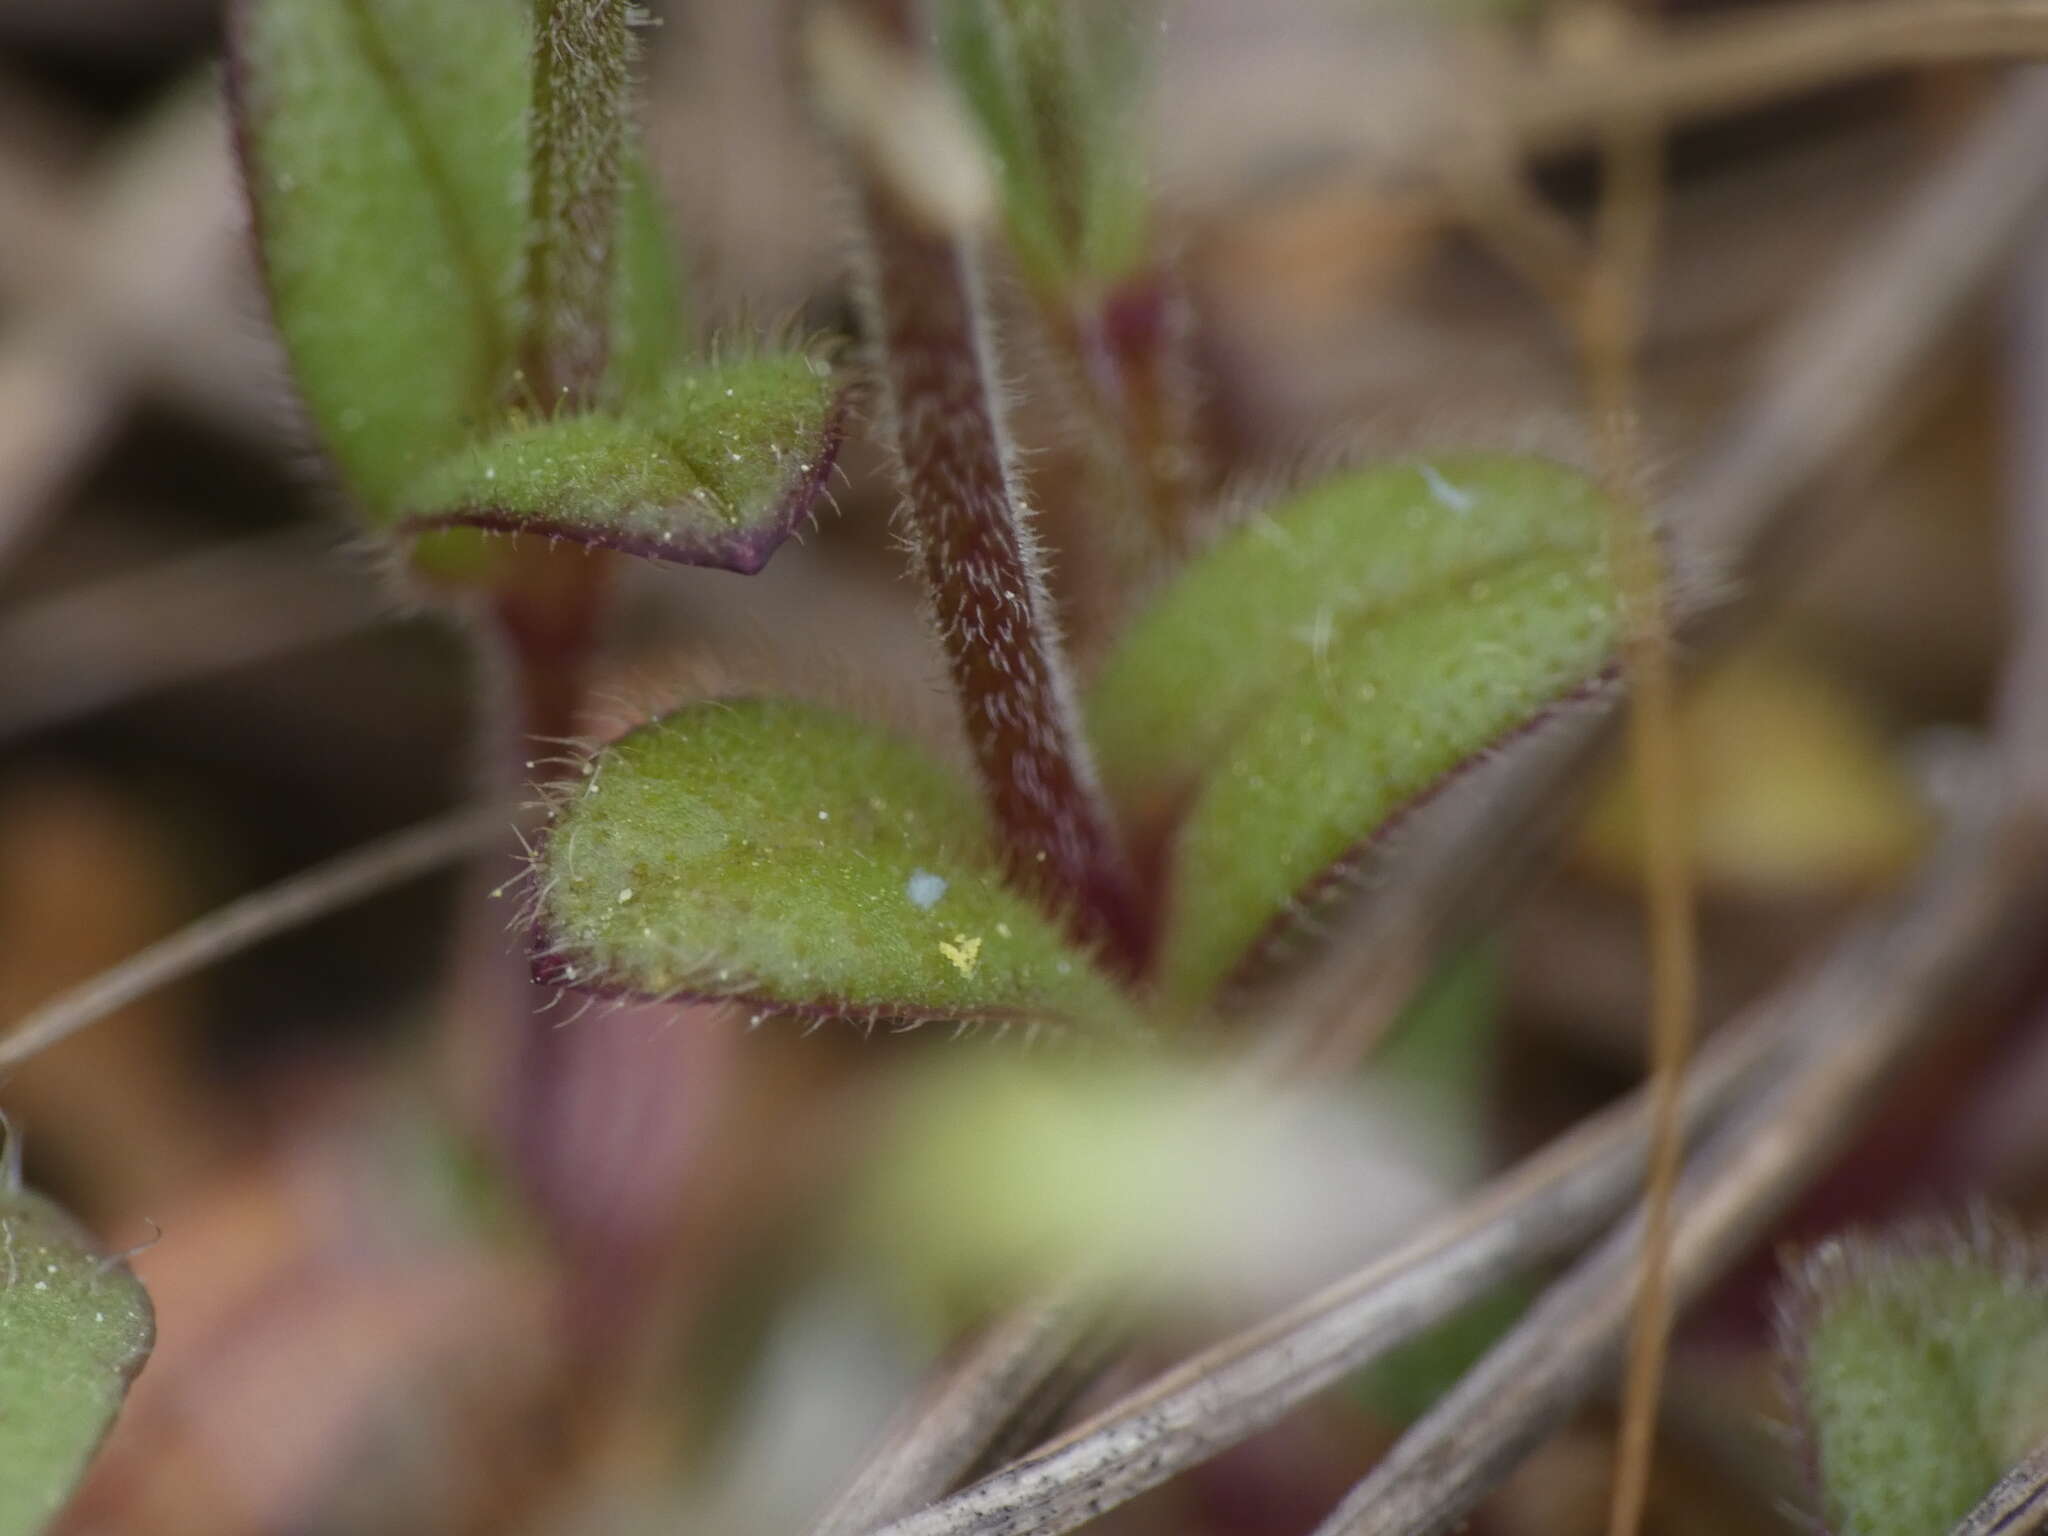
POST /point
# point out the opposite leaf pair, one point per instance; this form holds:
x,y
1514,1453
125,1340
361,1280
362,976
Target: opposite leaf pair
x,y
1296,687
1324,667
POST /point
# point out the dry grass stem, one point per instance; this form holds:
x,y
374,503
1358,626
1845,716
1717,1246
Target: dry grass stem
x,y
97,646
1861,1013
311,894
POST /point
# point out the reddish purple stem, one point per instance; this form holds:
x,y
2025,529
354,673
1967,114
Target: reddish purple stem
x,y
981,569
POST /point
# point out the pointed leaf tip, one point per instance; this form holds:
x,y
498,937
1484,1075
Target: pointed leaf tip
x,y
1919,1368
74,1330
1332,662
717,468
802,862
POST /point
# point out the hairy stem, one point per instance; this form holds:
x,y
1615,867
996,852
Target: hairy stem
x,y
581,50
981,568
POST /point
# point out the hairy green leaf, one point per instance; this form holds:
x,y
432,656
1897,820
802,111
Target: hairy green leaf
x,y
1437,1062
800,860
1920,1366
1328,664
1056,87
384,148
715,469
74,1330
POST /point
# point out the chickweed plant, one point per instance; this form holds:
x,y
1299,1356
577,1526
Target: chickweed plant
x,y
482,305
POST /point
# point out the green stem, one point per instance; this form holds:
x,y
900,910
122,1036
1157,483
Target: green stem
x,y
581,53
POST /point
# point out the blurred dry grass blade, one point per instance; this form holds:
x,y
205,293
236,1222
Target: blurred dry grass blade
x,y
1830,375
2018,1506
1861,1013
1227,1392
130,290
249,920
1727,62
99,645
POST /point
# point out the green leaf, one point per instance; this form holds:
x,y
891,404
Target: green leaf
x,y
1056,87
1437,1062
650,316
1326,665
1920,1365
1406,1382
804,862
384,149
74,1330
1438,1058
715,469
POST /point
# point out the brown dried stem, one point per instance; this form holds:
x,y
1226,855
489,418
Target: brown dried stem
x,y
302,898
1611,321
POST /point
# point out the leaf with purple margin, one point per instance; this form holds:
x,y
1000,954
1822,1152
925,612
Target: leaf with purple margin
x,y
1330,663
384,146
803,862
716,468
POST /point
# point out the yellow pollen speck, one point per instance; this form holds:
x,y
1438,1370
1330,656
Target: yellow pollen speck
x,y
965,953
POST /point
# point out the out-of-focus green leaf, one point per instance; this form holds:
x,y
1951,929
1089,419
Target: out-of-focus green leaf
x,y
1920,1365
1405,1383
74,1329
1438,1057
715,469
1436,1062
1057,86
804,862
1326,665
998,1172
1791,786
384,148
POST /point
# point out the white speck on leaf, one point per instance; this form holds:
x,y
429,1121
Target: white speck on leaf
x,y
924,889
1445,493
